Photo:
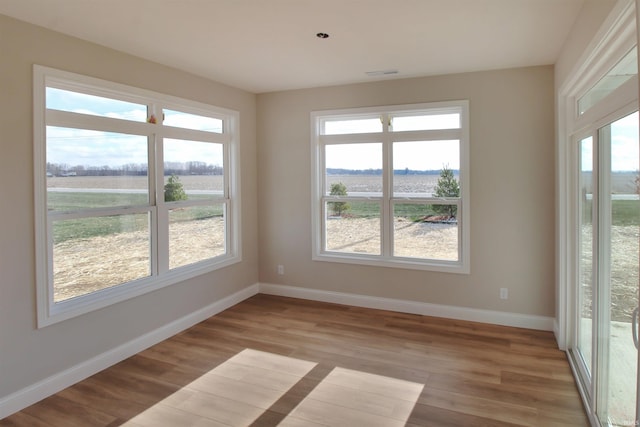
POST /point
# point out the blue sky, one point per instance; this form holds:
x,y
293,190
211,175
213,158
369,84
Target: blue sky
x,y
625,152
415,155
76,147
93,148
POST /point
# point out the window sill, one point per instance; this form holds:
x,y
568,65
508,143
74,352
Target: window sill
x,y
456,267
57,312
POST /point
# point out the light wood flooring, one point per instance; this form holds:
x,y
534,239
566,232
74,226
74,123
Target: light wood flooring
x,y
280,361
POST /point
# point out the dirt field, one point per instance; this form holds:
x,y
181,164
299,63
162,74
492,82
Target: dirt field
x,y
87,265
625,246
361,235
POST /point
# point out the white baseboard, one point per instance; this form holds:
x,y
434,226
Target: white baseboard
x,y
559,336
42,389
426,309
38,391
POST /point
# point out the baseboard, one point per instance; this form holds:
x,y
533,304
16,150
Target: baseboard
x,y
559,336
42,389
38,391
426,309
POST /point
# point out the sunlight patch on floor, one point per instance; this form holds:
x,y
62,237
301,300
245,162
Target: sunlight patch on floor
x,y
235,393
240,390
347,398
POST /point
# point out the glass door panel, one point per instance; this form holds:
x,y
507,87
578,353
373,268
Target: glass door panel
x,y
619,220
586,256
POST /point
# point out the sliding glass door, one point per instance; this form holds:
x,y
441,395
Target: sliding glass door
x,y
586,254
619,221
607,269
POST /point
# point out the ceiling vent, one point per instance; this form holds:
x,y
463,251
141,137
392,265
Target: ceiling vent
x,y
381,73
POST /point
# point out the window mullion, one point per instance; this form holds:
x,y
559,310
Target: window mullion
x,y
161,243
386,222
227,191
94,123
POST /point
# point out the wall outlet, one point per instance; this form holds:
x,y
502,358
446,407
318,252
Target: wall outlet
x,y
281,269
504,293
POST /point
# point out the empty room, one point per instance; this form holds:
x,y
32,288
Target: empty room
x,y
305,213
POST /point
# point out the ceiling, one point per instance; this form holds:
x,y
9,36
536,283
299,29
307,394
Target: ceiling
x,y
271,45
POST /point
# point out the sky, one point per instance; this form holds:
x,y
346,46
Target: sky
x,y
415,155
76,147
94,148
625,153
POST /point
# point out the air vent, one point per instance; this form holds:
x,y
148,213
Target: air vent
x,y
381,73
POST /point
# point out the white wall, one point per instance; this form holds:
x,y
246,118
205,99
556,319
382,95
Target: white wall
x,y
27,354
512,191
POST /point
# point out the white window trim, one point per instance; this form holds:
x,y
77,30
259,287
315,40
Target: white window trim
x,y
462,266
615,38
49,312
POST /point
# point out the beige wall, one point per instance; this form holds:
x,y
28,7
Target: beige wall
x,y
28,355
585,27
512,191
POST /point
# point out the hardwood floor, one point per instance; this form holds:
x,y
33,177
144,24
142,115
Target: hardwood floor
x,y
273,360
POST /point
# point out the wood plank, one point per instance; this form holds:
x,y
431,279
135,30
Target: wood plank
x,y
520,414
431,416
270,359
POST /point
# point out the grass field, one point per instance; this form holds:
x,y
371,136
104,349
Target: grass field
x,y
84,228
625,212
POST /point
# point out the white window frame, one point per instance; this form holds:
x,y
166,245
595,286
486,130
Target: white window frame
x,y
50,312
318,193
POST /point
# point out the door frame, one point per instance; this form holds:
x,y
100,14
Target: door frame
x,y
613,40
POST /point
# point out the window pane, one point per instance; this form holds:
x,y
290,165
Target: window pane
x,y
192,121
90,254
357,166
425,231
426,168
351,126
76,102
91,169
624,70
196,168
426,122
196,233
586,253
357,232
620,264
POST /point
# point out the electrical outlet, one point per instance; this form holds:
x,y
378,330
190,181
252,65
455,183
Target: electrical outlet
x,y
504,293
281,269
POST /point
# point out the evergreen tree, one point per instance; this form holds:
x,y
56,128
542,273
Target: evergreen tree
x,y
338,189
447,186
173,190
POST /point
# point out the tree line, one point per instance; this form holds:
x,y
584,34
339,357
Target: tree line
x,y
406,171
133,169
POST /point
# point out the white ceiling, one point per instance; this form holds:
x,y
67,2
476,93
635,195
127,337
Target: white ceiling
x,y
271,45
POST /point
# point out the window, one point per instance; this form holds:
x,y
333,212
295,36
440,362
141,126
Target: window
x,y
391,186
134,191
622,72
